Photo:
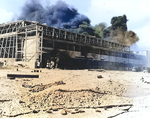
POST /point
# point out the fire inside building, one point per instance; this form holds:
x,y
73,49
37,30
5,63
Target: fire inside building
x,y
38,45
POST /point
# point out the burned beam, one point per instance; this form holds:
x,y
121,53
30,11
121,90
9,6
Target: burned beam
x,y
13,76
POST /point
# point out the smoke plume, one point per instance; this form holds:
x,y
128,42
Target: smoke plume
x,y
62,15
124,37
59,15
131,37
118,31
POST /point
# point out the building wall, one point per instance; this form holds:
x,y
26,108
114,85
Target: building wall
x,y
8,61
30,48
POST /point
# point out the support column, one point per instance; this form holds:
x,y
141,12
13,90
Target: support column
x,y
5,47
1,47
9,47
13,48
16,44
25,45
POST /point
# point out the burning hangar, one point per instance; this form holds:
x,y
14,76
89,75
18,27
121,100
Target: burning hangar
x,y
33,44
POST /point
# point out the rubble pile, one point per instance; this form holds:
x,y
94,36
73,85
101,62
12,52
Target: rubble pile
x,y
73,92
37,88
64,99
39,99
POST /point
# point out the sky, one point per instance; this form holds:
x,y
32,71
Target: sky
x,y
137,12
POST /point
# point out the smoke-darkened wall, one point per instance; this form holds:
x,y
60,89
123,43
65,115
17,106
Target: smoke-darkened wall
x,y
59,15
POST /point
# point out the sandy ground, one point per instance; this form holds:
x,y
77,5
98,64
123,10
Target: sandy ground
x,y
76,93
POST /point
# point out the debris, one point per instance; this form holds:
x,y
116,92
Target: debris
x,y
22,65
20,101
99,70
76,109
81,111
127,110
51,97
26,85
18,114
98,111
37,70
55,109
99,76
1,64
59,82
36,111
5,100
105,108
117,114
26,80
49,111
143,80
73,112
68,110
37,88
63,112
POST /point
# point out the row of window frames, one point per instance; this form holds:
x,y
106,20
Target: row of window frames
x,y
97,51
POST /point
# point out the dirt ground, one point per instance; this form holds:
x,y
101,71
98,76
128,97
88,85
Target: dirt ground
x,y
74,94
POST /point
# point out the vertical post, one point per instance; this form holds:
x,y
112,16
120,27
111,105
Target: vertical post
x,y
84,39
109,58
41,45
37,47
65,35
59,34
5,47
9,47
37,42
128,60
1,47
16,43
2,30
25,45
76,37
22,48
46,30
13,47
116,60
53,33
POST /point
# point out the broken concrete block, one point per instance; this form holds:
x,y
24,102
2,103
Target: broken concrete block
x,y
63,112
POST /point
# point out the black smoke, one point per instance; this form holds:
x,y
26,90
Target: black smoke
x,y
59,15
